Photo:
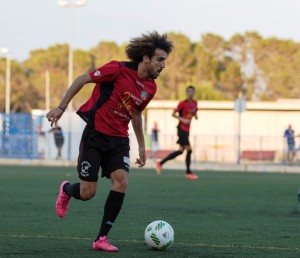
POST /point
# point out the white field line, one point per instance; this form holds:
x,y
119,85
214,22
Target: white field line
x,y
176,243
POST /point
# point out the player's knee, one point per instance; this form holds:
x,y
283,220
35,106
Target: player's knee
x,y
120,185
123,182
180,151
189,151
87,194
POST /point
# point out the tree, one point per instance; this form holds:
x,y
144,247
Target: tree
x,y
263,68
178,67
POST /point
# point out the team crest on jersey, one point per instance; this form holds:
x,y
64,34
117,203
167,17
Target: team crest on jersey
x,y
85,165
144,95
97,73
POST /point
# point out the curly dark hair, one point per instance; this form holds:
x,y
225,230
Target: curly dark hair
x,y
146,44
190,87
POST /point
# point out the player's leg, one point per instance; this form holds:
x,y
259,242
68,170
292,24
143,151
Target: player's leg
x,y
289,154
59,152
171,156
88,167
116,167
189,174
294,153
81,191
188,159
174,154
84,191
113,205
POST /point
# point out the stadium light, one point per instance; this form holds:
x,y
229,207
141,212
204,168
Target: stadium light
x,y
64,3
6,51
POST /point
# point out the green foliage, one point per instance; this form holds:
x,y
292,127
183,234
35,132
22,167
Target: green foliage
x,y
263,68
204,91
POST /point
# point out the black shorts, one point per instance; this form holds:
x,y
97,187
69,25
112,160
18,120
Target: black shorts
x,y
101,150
183,137
59,142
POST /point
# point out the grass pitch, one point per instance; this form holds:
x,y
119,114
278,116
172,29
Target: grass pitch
x,y
222,214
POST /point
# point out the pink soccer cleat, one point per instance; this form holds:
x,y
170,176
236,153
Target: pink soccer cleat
x,y
191,176
104,245
62,201
158,168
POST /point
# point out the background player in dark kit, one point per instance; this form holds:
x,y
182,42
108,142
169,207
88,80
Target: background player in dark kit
x,y
122,91
58,139
184,112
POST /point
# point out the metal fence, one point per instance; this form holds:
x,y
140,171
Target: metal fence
x,y
18,135
21,136
225,149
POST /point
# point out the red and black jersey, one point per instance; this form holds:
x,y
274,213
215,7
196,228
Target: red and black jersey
x,y
186,109
118,93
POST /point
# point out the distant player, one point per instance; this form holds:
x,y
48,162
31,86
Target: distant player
x,y
184,112
154,140
58,139
289,134
121,93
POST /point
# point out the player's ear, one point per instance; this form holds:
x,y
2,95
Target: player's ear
x,y
146,59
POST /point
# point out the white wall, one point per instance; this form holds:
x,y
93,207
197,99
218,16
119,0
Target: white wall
x,y
213,135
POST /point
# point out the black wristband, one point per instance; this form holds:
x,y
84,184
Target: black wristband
x,y
61,108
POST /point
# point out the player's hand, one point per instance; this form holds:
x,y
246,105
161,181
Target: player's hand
x,y
185,120
54,115
141,161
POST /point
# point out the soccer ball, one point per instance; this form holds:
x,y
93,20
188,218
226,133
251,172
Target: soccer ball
x,y
159,235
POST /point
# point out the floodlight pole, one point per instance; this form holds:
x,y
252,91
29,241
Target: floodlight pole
x,y
64,3
239,139
7,89
47,90
7,80
239,106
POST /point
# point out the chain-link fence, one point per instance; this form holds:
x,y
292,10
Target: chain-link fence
x,y
18,135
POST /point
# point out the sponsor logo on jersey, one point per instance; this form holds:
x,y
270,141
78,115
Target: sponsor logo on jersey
x,y
97,73
85,165
137,100
144,95
125,103
120,114
140,84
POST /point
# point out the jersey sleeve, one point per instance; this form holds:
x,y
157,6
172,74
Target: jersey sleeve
x,y
106,73
179,107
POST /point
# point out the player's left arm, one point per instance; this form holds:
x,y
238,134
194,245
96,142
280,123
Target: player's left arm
x,y
196,116
137,124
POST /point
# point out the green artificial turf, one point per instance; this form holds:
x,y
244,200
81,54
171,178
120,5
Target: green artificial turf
x,y
223,214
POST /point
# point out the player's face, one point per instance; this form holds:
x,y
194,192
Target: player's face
x,y
157,63
190,93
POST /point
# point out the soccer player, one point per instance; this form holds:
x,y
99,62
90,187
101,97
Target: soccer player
x,y
122,91
184,112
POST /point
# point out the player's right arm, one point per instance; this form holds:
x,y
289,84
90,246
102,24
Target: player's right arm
x,y
55,114
176,115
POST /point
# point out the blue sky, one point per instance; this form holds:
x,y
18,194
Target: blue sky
x,y
30,24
